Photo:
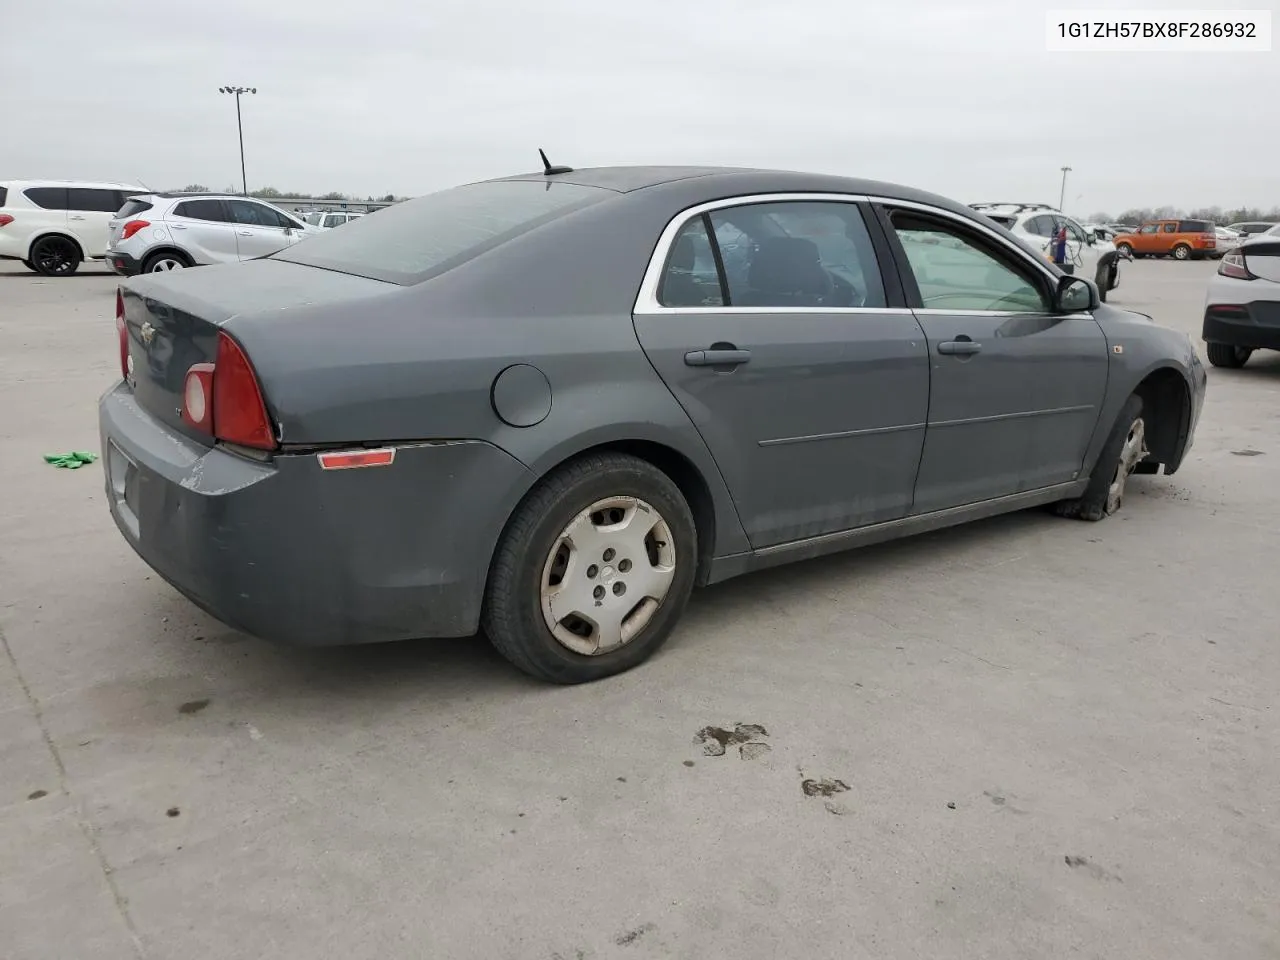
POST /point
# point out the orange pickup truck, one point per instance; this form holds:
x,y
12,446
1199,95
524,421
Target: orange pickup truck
x,y
1180,239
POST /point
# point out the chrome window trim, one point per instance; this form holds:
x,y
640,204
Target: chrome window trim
x,y
647,299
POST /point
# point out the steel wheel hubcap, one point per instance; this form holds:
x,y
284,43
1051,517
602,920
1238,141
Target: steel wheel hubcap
x,y
607,574
1131,454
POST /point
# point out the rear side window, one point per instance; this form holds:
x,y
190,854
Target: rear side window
x,y
418,239
208,210
93,200
48,198
132,208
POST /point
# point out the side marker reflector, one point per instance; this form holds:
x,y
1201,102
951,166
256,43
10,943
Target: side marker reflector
x,y
357,458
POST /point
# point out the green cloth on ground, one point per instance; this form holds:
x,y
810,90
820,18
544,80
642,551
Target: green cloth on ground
x,y
71,461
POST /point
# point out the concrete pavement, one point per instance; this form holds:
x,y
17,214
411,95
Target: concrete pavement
x,y
1028,737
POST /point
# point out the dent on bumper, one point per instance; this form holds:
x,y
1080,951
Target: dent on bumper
x,y
292,553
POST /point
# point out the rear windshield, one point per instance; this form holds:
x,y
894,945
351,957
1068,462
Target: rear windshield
x,y
132,208
415,240
1198,226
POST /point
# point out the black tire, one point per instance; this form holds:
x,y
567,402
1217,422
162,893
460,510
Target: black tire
x,y
1181,252
1099,500
1102,280
162,256
1228,355
55,256
1122,247
512,616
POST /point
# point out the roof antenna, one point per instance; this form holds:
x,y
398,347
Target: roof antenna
x,y
547,169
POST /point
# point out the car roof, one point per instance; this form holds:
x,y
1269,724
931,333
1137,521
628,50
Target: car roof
x,y
738,181
85,184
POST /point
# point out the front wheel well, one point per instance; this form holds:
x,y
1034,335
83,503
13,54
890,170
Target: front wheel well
x,y
1166,404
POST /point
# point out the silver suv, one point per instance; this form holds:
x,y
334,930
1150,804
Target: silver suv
x,y
154,232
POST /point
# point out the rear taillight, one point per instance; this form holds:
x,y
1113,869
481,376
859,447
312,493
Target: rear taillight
x,y
1233,265
5,219
122,334
132,227
223,399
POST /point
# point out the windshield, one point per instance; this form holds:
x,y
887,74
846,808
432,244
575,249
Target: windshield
x,y
418,239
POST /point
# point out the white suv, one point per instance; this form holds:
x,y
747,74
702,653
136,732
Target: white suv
x,y
53,226
154,232
1088,254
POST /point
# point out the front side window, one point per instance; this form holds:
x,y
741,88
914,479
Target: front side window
x,y
955,271
250,214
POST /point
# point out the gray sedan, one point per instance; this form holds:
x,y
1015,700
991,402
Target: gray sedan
x,y
550,405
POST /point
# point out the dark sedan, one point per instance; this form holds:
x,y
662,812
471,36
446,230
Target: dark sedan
x,y
550,405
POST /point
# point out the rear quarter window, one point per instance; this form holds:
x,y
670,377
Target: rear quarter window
x,y
1197,226
48,198
418,239
132,208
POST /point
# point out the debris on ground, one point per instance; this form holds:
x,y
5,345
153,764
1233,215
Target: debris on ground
x,y
70,461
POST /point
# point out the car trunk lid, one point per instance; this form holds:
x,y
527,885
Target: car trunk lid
x,y
172,320
1262,259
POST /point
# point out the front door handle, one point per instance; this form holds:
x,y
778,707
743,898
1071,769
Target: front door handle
x,y
75,218
716,358
245,233
963,347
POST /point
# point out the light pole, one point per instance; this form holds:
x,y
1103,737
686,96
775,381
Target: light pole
x,y
244,181
1062,195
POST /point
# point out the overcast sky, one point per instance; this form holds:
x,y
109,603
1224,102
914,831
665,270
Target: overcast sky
x,y
409,96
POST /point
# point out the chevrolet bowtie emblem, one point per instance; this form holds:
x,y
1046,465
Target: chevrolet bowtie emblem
x,y
148,333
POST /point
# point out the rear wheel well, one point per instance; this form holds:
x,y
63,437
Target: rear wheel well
x,y
1166,405
685,476
55,233
172,251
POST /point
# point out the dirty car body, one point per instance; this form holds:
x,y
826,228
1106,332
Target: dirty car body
x,y
342,442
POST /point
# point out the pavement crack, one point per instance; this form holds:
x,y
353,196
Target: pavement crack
x,y
86,828
990,663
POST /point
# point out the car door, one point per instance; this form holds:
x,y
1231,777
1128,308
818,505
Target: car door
x,y
202,228
1015,389
50,215
259,229
770,323
89,211
1147,239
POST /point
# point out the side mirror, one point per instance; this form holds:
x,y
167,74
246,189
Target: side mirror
x,y
1076,295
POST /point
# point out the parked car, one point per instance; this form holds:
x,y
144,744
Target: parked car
x,y
1250,228
53,226
327,219
552,404
1242,304
1088,253
1180,239
1227,239
158,232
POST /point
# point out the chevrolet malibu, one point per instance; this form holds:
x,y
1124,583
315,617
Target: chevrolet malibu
x,y
550,405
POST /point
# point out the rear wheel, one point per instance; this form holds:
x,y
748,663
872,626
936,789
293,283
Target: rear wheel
x,y
164,261
1125,448
593,571
1182,252
1228,355
55,256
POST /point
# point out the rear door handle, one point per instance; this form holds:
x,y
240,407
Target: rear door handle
x,y
75,218
959,348
177,226
716,358
245,233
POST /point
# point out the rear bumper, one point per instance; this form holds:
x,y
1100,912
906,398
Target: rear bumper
x,y
123,263
288,552
1255,325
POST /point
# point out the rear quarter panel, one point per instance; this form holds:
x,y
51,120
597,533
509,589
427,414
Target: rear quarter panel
x,y
420,362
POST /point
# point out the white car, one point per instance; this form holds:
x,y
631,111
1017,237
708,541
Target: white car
x,y
1088,254
1242,305
155,232
327,219
53,226
1228,239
